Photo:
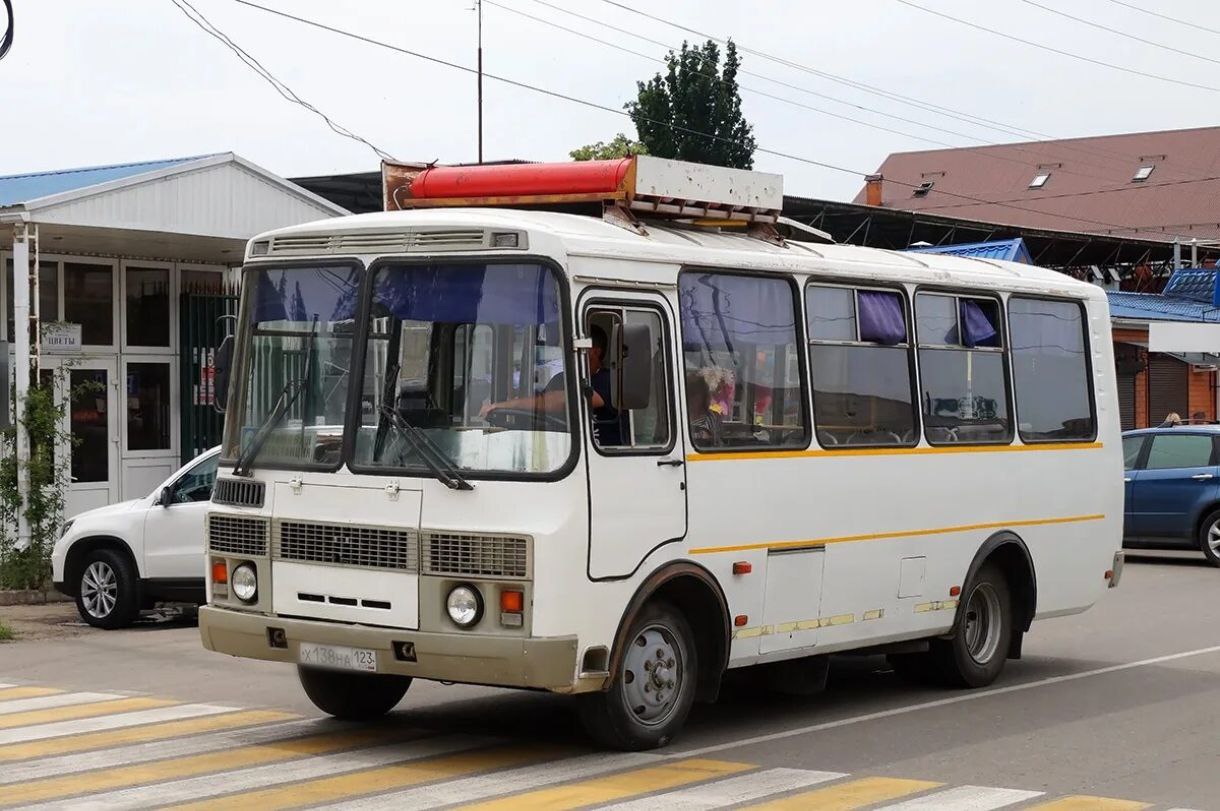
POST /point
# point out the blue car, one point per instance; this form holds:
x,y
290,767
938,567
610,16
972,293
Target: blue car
x,y
1172,480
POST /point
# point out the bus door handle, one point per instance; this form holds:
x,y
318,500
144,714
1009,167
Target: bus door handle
x,y
670,463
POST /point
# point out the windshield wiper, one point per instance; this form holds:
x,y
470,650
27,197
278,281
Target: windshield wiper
x,y
288,395
444,470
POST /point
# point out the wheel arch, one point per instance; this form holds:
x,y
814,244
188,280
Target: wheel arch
x,y
74,560
1008,550
694,591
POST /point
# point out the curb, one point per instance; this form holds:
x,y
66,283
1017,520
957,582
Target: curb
x,y
31,597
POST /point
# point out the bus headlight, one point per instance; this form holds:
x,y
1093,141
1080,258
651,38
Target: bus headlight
x,y
465,605
244,583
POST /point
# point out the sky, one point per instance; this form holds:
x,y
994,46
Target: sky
x,y
90,82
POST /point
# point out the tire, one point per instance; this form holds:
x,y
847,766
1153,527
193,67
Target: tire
x,y
107,590
976,653
353,696
1209,538
646,704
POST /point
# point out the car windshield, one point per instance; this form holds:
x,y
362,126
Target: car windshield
x,y
297,354
464,371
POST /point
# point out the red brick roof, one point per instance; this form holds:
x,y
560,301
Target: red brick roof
x,y
1089,188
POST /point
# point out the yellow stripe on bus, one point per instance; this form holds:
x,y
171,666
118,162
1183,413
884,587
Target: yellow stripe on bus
x,y
239,757
13,693
378,780
79,711
1083,803
601,790
909,533
847,452
850,795
71,744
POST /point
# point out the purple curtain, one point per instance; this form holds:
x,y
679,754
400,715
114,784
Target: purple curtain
x,y
977,329
881,319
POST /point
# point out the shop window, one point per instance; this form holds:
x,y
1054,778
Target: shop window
x,y
89,421
48,294
962,381
148,407
742,361
147,306
860,367
1050,369
89,301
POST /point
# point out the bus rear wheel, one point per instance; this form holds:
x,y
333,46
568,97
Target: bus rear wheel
x,y
653,690
353,696
976,653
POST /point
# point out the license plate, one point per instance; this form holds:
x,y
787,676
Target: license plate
x,y
337,657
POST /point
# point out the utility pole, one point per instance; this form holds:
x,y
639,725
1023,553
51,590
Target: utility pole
x,y
479,9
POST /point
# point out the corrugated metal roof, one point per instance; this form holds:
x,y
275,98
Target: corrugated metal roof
x,y
1196,284
1154,307
1010,250
1090,182
16,189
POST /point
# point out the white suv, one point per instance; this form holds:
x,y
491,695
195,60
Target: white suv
x,y
121,559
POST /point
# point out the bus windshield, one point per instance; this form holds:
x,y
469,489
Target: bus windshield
x,y
297,360
464,371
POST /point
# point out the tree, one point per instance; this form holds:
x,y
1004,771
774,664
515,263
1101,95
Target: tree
x,y
619,147
693,112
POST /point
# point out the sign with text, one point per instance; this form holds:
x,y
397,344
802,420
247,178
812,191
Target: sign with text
x,y
60,335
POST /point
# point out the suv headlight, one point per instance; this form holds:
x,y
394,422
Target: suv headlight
x,y
67,527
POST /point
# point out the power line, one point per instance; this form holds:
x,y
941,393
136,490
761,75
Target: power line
x,y
616,111
1051,49
1010,129
717,79
1151,13
197,17
1124,34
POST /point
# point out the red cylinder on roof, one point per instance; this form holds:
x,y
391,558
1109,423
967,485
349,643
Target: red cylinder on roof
x,y
519,179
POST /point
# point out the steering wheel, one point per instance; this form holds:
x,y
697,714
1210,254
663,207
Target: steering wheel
x,y
522,419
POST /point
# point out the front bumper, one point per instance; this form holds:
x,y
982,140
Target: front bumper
x,y
546,663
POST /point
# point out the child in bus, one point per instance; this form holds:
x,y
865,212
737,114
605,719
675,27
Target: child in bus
x,y
706,424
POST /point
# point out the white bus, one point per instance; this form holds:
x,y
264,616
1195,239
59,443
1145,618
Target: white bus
x,y
618,456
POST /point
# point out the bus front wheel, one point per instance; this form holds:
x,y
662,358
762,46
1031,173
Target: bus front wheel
x,y
653,690
353,696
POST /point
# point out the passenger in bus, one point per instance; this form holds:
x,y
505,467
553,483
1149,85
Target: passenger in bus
x,y
607,420
706,425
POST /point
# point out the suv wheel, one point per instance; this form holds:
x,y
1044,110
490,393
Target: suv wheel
x,y
106,592
1209,538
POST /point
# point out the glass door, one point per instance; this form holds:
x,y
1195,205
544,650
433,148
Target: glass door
x,y
90,389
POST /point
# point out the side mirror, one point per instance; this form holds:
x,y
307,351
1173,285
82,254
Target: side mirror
x,y
636,384
166,496
222,362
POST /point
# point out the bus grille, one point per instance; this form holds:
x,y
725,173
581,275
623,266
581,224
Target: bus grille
x,y
346,545
449,553
232,535
239,493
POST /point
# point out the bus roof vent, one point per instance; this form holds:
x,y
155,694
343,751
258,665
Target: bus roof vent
x,y
380,242
639,185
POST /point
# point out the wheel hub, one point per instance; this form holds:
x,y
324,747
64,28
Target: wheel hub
x,y
983,618
652,675
99,589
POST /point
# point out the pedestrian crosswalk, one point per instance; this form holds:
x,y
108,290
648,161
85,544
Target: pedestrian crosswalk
x,y
108,750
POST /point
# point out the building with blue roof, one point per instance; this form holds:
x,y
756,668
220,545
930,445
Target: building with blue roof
x,y
1009,250
111,254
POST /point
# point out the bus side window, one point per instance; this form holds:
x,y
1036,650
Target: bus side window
x,y
963,382
742,361
1051,370
646,428
860,366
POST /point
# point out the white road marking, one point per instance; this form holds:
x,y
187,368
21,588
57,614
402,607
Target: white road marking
x,y
730,791
40,732
158,750
307,768
53,701
6,686
511,781
965,798
941,702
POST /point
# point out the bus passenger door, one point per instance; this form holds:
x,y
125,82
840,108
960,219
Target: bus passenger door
x,y
637,473
793,598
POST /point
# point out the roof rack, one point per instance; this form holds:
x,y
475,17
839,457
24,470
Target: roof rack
x,y
656,188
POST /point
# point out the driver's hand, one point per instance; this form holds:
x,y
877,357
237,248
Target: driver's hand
x,y
488,405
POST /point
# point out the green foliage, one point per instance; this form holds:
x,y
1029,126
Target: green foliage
x,y
6,633
619,147
30,568
675,113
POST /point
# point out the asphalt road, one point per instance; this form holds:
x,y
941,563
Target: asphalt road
x,y
1122,702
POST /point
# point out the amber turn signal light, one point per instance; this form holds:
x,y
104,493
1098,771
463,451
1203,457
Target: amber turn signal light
x,y
512,602
220,571
742,567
